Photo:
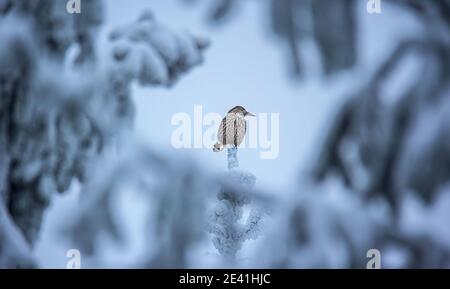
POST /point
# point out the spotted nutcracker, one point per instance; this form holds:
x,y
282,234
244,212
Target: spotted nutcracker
x,y
232,129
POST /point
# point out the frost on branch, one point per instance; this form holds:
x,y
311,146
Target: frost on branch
x,y
233,161
228,233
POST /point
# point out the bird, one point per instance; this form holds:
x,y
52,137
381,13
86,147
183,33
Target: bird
x,y
232,128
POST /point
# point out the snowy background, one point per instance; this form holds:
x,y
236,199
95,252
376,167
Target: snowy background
x,y
143,203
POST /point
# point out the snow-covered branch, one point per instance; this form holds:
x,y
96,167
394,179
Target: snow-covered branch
x,y
58,114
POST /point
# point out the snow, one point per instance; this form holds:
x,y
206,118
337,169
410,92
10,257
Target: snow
x,y
86,160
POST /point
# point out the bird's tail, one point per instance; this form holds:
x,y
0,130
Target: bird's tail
x,y
218,147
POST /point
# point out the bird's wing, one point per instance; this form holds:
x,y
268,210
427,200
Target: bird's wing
x,y
220,132
231,130
240,127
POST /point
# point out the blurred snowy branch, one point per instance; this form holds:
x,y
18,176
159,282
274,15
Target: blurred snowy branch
x,y
219,11
57,117
389,141
152,54
330,23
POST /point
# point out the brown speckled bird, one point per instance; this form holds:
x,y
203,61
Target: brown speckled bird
x,y
232,129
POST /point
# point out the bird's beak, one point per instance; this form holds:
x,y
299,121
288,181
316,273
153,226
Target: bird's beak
x,y
249,114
